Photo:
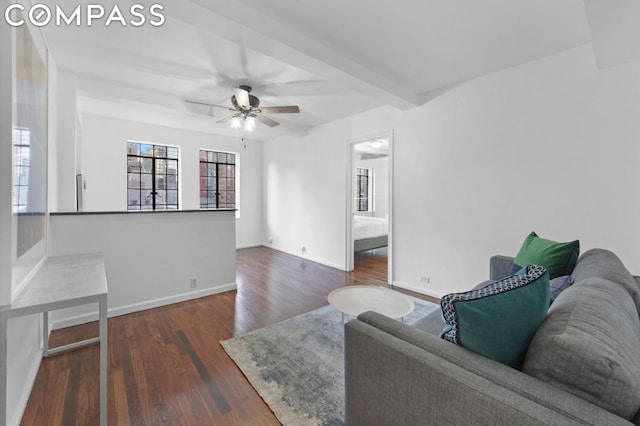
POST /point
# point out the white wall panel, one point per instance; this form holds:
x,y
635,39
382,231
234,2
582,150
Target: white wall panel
x,y
550,146
150,258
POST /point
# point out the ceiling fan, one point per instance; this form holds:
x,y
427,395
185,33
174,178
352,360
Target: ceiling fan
x,y
247,109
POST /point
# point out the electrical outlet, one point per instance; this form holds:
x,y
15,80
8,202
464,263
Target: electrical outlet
x,y
194,282
425,280
270,240
303,249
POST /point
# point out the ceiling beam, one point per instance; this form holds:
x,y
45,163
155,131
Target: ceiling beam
x,y
259,32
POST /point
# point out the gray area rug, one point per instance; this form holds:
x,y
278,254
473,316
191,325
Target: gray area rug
x,y
297,365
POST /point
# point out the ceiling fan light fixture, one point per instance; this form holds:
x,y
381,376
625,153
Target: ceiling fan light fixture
x,y
249,124
246,110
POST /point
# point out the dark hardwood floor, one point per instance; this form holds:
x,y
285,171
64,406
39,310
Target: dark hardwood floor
x,y
166,366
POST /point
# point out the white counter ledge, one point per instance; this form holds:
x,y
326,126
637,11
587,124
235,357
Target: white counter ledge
x,y
62,282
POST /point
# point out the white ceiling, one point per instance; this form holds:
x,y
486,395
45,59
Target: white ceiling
x,y
377,146
332,58
615,28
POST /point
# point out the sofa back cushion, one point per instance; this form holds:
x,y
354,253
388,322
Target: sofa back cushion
x,y
589,345
605,264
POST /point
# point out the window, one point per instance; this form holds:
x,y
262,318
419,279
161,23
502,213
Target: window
x,y
217,180
21,166
152,177
362,189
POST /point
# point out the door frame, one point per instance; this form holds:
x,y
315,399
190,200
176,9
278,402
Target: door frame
x,y
349,211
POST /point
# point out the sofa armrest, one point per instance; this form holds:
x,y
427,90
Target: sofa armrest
x,y
500,267
396,374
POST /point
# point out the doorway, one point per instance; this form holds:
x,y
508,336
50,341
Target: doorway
x,y
369,206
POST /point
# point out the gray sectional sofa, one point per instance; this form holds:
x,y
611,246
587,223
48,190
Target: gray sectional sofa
x,y
582,365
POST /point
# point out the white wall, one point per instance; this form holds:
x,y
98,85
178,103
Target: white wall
x,y
306,186
23,334
150,257
104,166
63,173
6,159
550,146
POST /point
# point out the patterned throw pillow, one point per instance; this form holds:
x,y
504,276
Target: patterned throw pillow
x,y
498,320
558,258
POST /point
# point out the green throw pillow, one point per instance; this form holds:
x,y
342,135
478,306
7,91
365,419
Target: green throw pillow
x,y
498,320
557,258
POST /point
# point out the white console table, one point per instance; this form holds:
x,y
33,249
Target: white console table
x,y
62,282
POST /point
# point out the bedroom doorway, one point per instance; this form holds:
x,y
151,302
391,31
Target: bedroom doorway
x,y
369,204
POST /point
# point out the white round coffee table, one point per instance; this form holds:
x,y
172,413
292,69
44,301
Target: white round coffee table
x,y
356,299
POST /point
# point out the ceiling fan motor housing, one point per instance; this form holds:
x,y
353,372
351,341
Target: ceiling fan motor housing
x,y
253,100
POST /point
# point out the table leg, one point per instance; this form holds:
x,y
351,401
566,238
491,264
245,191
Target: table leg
x,y
103,361
45,333
3,370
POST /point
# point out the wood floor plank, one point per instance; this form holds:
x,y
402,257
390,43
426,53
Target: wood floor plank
x,y
58,403
216,394
166,365
119,407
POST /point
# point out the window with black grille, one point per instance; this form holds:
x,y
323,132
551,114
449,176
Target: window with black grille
x,y
362,189
217,180
152,176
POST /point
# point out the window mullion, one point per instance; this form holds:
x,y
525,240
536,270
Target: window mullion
x,y
153,181
217,185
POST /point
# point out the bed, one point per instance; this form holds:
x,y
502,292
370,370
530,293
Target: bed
x,y
369,233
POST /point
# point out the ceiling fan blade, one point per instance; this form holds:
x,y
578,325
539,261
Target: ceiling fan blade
x,y
227,118
206,104
242,98
280,109
266,120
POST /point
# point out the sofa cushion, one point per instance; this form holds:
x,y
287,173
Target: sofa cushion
x,y
605,264
558,258
558,285
432,322
498,320
588,345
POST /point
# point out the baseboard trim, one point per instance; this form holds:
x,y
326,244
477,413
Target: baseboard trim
x,y
312,259
141,306
30,380
417,289
244,246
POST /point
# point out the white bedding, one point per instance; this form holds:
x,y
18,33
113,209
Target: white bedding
x,y
369,227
